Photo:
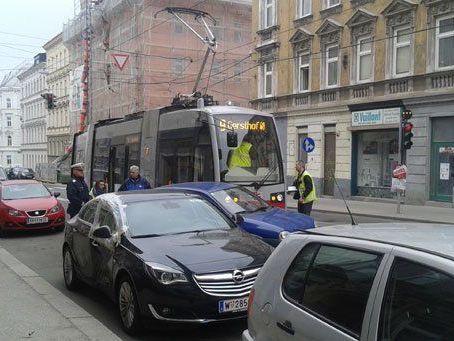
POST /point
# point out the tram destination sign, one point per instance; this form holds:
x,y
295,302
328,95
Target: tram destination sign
x,y
376,117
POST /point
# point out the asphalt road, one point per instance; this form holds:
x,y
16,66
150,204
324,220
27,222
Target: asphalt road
x,y
42,253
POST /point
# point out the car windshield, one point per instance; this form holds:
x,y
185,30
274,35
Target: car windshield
x,y
173,216
24,191
239,200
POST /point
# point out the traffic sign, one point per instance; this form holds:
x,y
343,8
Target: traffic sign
x,y
308,145
120,59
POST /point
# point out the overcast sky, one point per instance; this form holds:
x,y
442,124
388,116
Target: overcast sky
x,y
39,20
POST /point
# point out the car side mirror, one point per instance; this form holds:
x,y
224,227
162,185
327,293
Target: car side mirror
x,y
56,194
102,232
232,139
238,218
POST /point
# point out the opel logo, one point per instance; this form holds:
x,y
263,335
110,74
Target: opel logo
x,y
238,276
36,212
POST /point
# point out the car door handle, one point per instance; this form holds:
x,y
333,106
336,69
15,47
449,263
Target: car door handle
x,y
286,326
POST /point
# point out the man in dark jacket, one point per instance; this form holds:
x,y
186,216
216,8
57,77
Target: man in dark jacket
x,y
77,190
135,181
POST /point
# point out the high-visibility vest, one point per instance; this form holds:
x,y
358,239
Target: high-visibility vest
x,y
240,156
312,196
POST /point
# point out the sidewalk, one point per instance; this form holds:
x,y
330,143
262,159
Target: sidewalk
x,y
33,309
426,214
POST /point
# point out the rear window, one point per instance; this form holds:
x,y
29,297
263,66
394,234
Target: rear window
x,y
24,191
333,283
160,217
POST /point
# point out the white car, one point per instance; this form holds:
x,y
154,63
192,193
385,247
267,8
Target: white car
x,y
371,282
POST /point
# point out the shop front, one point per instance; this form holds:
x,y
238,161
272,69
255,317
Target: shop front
x,y
375,151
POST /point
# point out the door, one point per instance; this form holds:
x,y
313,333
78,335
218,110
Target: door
x,y
442,184
102,250
329,160
81,241
117,167
325,293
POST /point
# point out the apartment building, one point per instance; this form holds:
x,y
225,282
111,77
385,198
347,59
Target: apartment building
x,y
342,71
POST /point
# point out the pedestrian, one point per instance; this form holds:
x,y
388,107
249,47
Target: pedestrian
x,y
306,194
77,190
98,189
134,182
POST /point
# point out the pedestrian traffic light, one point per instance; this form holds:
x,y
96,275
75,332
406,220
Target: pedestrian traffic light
x,y
408,134
406,114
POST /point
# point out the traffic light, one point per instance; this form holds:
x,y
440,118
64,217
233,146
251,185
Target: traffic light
x,y
408,134
50,98
406,115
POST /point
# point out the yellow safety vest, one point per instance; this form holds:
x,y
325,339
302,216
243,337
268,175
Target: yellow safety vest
x,y
312,196
240,156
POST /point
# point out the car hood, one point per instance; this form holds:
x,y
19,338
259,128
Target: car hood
x,y
204,252
287,220
31,204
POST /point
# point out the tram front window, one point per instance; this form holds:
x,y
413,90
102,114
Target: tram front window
x,y
257,155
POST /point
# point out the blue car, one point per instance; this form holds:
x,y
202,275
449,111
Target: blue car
x,y
252,213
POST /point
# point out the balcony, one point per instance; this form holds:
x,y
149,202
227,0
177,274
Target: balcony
x,y
329,96
399,86
300,100
442,80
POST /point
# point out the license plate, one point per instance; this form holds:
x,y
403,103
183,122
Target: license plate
x,y
37,220
234,305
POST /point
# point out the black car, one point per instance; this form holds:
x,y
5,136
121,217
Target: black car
x,y
168,257
17,173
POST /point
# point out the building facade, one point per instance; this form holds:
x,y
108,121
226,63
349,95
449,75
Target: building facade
x,y
58,132
164,57
342,71
10,120
34,113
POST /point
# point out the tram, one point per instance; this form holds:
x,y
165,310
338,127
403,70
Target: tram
x,y
187,143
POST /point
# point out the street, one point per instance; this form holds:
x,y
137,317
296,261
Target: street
x,y
41,251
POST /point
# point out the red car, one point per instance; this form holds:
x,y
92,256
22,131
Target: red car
x,y
28,205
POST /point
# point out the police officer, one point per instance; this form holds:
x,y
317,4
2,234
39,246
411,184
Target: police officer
x,y
77,190
306,189
135,181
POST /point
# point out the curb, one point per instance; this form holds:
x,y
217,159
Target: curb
x,y
377,215
86,323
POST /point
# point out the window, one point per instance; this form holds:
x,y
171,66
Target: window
x,y
88,212
10,140
177,66
268,79
332,3
304,8
268,13
8,121
8,103
237,71
303,72
106,218
178,27
364,59
418,304
185,153
333,283
8,160
237,33
401,51
444,49
331,66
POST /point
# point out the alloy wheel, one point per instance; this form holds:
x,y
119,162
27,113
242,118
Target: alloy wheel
x,y
127,305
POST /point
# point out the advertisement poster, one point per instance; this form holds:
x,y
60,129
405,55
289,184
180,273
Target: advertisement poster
x,y
444,171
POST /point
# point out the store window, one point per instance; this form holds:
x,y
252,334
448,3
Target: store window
x,y
378,155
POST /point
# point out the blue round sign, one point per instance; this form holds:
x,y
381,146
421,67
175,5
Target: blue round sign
x,y
308,145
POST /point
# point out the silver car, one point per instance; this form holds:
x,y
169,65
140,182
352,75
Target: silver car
x,y
371,282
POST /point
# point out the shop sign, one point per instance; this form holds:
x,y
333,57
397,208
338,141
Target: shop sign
x,y
444,171
376,117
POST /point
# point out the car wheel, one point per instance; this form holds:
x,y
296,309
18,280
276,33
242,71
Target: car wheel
x,y
72,282
128,307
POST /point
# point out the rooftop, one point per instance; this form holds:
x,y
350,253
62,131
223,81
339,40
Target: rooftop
x,y
434,238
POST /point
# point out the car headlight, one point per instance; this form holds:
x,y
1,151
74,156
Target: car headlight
x,y
283,235
14,213
165,274
55,209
